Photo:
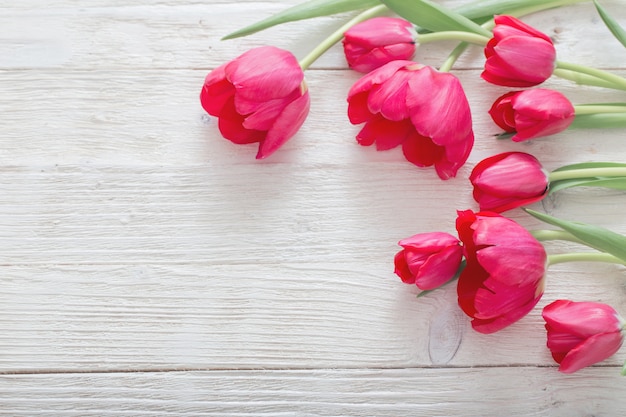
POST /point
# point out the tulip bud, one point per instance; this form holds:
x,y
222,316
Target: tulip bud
x,y
532,113
518,55
375,42
582,333
428,260
508,180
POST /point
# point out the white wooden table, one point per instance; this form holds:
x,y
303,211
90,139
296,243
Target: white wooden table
x,y
150,267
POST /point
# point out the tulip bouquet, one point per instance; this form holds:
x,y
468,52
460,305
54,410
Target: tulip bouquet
x,y
500,267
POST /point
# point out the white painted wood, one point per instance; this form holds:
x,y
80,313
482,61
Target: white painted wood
x,y
366,392
134,238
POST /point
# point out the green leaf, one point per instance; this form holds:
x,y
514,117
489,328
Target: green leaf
x,y
593,236
586,165
614,183
487,8
431,16
614,27
310,9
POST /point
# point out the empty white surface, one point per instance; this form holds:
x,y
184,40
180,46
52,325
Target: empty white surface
x,y
150,267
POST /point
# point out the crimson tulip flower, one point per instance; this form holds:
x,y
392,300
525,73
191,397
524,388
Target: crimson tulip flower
x,y
259,97
375,42
418,107
504,276
532,113
582,333
508,180
517,54
428,260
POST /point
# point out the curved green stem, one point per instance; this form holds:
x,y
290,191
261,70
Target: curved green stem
x,y
584,257
589,74
587,173
337,35
454,55
544,235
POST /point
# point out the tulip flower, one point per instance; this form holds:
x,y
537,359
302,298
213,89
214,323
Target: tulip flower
x,y
418,107
508,180
518,55
582,333
532,113
504,276
259,97
374,42
428,260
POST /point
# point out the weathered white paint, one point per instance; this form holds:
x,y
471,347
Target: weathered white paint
x,y
134,238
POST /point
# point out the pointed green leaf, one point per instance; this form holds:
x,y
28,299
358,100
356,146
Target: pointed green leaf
x,y
614,183
479,9
586,165
310,9
593,236
431,16
614,27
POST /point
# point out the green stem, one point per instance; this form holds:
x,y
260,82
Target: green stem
x,y
599,108
544,235
454,55
584,257
452,35
337,35
612,80
586,173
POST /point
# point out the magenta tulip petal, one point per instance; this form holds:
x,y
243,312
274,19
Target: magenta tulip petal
x,y
371,44
428,260
286,125
518,55
504,276
265,73
581,334
259,96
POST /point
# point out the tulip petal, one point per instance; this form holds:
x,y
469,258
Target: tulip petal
x,y
385,133
565,316
285,126
421,151
231,126
593,350
250,76
439,269
377,77
389,98
216,91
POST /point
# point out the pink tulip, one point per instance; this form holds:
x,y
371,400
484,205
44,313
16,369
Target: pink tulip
x,y
418,107
428,260
508,180
259,97
504,276
582,333
375,42
532,113
518,55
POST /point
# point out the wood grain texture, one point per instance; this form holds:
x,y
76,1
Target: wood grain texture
x,y
366,392
150,267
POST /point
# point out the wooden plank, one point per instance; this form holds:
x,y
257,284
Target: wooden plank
x,y
192,315
428,392
153,118
153,34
